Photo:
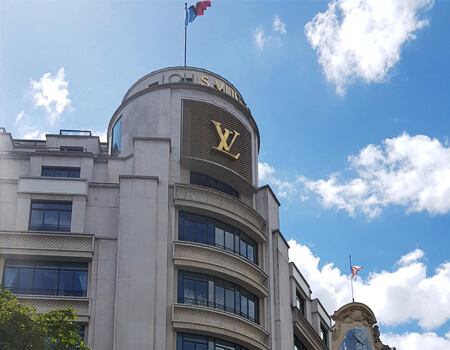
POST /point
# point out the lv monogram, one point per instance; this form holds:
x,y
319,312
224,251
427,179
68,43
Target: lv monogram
x,y
223,136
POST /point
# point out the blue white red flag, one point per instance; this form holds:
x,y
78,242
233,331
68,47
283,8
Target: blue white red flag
x,y
196,10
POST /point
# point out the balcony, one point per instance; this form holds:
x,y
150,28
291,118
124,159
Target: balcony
x,y
44,304
49,244
210,259
216,322
223,204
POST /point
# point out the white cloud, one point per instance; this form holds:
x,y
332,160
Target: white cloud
x,y
411,257
410,171
265,171
396,297
416,341
51,93
283,189
363,38
259,37
278,26
26,131
103,135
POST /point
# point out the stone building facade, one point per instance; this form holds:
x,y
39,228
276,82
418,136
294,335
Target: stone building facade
x,y
160,237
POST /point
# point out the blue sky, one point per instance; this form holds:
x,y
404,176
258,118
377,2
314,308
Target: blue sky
x,y
351,99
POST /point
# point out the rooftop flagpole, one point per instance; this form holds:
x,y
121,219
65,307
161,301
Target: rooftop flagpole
x,y
185,31
351,278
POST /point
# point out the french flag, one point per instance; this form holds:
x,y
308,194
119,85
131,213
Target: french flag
x,y
196,10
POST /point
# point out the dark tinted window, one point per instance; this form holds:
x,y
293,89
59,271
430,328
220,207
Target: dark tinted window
x,y
60,172
46,278
206,181
209,291
50,216
206,230
116,141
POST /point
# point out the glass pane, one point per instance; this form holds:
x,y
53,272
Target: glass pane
x,y
211,234
229,296
250,253
61,173
229,238
47,172
65,217
65,283
219,237
220,297
45,282
243,248
251,309
116,137
211,293
25,281
10,277
51,219
201,293
201,232
244,306
37,218
189,231
189,291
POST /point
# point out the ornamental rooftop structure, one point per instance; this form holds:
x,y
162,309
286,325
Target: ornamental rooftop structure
x,y
161,237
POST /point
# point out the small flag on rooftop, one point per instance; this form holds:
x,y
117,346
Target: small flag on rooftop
x,y
355,270
190,14
196,10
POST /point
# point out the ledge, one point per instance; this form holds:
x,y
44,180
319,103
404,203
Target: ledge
x,y
53,185
45,303
228,207
219,323
50,244
210,259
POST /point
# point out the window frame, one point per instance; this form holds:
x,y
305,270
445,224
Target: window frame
x,y
116,137
68,172
188,285
323,333
215,228
211,343
59,227
203,180
298,345
38,273
300,302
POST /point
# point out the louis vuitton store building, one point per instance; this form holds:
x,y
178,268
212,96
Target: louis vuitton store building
x,y
161,237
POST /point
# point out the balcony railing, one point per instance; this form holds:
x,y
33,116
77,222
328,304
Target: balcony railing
x,y
186,194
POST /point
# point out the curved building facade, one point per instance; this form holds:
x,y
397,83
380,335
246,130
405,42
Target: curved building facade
x,y
161,237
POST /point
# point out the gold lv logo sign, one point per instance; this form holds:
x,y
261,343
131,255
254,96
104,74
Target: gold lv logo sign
x,y
223,136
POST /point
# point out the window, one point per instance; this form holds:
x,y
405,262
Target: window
x,y
46,278
116,137
206,181
206,230
71,149
300,303
323,334
298,345
60,172
197,342
50,216
209,291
